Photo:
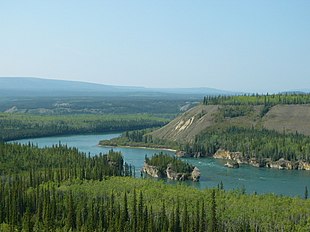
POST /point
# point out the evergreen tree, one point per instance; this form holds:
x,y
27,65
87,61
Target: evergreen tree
x,y
197,216
213,223
203,224
177,226
27,223
163,224
185,219
71,223
134,219
140,222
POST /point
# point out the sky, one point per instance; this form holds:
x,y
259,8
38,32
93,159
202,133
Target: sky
x,y
253,46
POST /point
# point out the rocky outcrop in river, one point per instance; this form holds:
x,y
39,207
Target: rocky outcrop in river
x,y
183,154
232,164
195,174
151,170
266,162
171,174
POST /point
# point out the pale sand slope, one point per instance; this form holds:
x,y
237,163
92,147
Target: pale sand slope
x,y
184,128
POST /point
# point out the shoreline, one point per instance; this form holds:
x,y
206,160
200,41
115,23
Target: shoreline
x,y
280,164
149,148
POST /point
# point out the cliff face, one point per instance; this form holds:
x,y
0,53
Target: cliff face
x,y
151,170
279,164
195,174
171,174
233,164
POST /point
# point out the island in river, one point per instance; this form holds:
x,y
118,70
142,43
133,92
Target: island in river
x,y
165,166
237,158
212,170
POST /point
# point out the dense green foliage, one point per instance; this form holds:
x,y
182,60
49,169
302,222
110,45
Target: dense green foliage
x,y
59,163
253,143
161,161
139,138
16,126
60,189
253,99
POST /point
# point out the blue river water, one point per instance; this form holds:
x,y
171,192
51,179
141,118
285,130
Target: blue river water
x,y
259,180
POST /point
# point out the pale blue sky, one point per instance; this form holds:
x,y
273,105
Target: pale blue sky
x,y
234,45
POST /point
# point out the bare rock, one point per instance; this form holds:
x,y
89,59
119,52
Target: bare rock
x,y
233,164
182,154
304,165
151,170
195,174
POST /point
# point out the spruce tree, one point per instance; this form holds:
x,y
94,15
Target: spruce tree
x,y
203,224
140,212
185,219
134,212
177,226
70,224
213,223
27,223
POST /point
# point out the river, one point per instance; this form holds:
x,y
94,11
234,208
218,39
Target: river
x,y
260,180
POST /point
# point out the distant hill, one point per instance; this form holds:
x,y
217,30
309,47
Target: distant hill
x,y
200,90
28,86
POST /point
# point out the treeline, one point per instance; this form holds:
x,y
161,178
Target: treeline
x,y
47,208
127,204
17,126
61,189
58,163
253,143
140,138
162,161
256,99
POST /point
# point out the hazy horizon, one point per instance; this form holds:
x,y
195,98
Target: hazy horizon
x,y
229,45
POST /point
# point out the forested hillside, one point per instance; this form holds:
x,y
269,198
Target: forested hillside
x,y
16,126
60,189
264,131
259,144
283,113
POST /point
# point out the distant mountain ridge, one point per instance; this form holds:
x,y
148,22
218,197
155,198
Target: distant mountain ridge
x,y
29,86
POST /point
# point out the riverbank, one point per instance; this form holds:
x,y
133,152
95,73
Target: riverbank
x,y
139,147
258,180
237,157
280,164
